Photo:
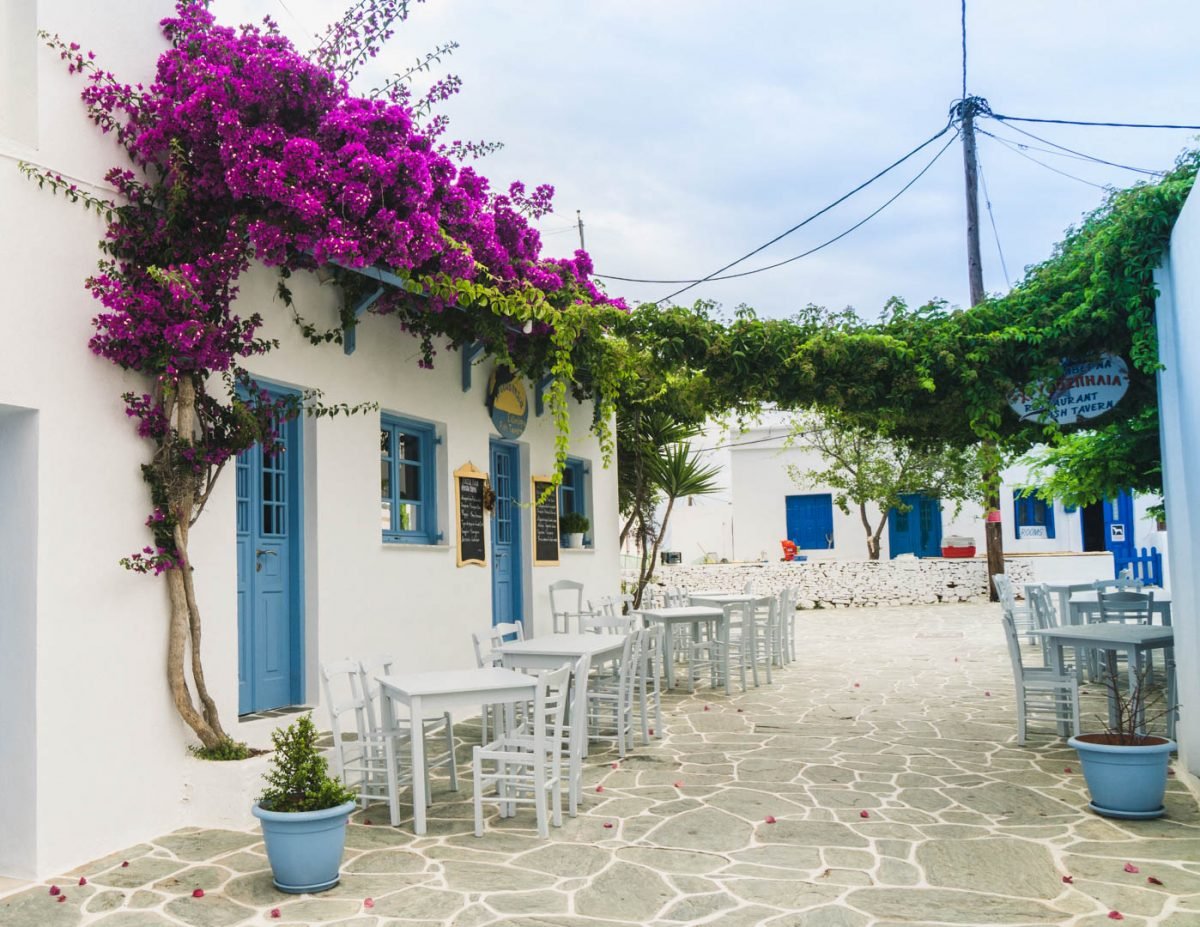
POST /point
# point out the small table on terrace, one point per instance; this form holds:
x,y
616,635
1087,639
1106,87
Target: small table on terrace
x,y
695,615
1111,637
550,651
723,598
436,692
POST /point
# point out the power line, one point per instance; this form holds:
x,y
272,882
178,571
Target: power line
x,y
1016,150
815,215
1080,122
992,217
1065,152
758,270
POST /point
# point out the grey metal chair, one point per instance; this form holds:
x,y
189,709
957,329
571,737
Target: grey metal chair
x,y
1040,691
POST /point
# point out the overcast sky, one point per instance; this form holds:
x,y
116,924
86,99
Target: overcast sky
x,y
689,132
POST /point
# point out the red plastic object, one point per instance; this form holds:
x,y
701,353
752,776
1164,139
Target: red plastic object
x,y
958,551
789,550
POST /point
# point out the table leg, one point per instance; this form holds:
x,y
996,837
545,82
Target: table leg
x,y
723,636
418,764
669,654
1059,665
388,714
1133,668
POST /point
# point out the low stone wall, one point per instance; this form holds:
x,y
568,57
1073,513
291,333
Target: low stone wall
x,y
850,583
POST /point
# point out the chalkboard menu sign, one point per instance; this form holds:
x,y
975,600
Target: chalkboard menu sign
x,y
545,522
468,492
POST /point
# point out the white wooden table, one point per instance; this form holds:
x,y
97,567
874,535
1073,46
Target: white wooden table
x,y
550,651
1112,637
436,692
723,598
695,615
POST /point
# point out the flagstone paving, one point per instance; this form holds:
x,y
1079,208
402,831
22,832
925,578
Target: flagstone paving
x,y
877,782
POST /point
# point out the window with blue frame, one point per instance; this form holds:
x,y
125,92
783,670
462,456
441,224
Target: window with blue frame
x,y
1032,517
408,481
573,493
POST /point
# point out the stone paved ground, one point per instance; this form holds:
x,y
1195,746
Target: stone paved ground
x,y
886,757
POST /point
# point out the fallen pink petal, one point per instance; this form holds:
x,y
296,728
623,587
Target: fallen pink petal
x,y
1066,769
62,897
678,785
55,890
1070,880
987,694
1116,916
368,902
1153,881
770,819
863,814
82,880
275,912
618,765
599,788
198,893
1130,867
858,685
125,864
608,825
707,707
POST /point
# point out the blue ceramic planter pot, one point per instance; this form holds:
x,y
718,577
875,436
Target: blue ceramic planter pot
x,y
1125,781
305,847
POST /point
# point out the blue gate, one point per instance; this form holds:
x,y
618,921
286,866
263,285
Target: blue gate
x,y
917,531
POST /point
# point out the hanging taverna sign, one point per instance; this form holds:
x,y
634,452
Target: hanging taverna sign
x,y
1085,390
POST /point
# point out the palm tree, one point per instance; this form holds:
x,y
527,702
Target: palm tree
x,y
657,466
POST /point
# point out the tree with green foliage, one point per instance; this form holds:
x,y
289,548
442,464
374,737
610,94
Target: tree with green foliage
x,y
864,466
657,466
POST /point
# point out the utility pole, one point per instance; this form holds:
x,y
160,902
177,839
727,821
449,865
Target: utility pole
x,y
579,222
966,110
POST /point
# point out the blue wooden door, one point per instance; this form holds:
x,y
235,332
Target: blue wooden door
x,y
917,531
268,557
1119,529
506,534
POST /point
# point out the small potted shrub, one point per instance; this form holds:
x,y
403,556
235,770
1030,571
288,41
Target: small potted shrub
x,y
303,812
573,526
1126,771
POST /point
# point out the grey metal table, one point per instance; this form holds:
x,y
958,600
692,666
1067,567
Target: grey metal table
x,y
1111,638
1084,604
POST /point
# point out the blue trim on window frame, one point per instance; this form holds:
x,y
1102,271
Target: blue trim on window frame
x,y
1026,509
578,469
426,435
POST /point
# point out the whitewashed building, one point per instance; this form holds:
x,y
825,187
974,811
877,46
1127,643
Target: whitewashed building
x,y
92,753
761,505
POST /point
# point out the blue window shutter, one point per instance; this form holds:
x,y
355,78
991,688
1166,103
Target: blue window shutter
x,y
1049,508
810,520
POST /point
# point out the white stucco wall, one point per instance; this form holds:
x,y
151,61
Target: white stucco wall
x,y
92,754
753,520
1178,321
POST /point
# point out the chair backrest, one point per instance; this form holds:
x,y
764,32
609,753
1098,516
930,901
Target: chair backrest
x,y
485,654
605,606
566,602
787,601
342,683
1126,606
1041,605
367,671
549,711
605,625
579,680
1014,649
677,597
763,612
748,589
1004,592
503,629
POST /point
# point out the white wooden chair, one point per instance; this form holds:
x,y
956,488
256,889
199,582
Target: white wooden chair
x,y
566,604
649,682
504,629
708,652
751,640
486,655
610,697
525,766
1040,691
575,734
1021,615
785,627
436,725
603,624
359,758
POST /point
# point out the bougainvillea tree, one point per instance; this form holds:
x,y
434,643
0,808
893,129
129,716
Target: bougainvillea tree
x,y
244,150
